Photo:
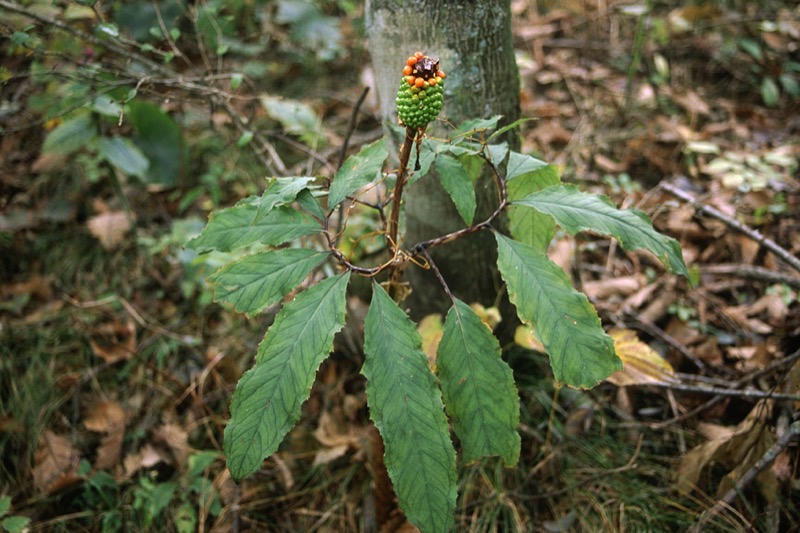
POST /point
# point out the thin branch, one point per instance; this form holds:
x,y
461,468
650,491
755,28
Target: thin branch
x,y
752,272
734,224
439,276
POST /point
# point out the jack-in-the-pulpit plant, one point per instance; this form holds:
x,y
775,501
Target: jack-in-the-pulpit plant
x,y
291,234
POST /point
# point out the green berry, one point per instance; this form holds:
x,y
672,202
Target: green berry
x,y
419,97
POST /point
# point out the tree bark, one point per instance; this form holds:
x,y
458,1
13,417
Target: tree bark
x,y
473,42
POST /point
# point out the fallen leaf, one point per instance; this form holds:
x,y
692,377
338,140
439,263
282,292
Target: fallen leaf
x,y
641,364
737,451
114,341
147,457
109,228
55,463
108,418
177,439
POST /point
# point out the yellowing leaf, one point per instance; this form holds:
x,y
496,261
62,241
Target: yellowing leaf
x,y
430,329
641,364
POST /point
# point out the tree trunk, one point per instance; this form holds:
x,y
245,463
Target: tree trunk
x,y
473,42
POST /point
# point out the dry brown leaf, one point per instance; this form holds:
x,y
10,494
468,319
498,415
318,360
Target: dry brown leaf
x,y
641,364
115,341
562,253
108,418
621,286
55,463
324,456
147,457
177,439
109,228
737,451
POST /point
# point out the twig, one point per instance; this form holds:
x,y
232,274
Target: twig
x,y
752,272
734,224
790,359
439,276
767,459
717,391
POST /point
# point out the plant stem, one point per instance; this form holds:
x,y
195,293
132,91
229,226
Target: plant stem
x,y
402,178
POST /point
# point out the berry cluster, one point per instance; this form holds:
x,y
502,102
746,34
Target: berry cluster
x,y
419,98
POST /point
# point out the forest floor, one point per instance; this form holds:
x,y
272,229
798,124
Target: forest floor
x,y
116,367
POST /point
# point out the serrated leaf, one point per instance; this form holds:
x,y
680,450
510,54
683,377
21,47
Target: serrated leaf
x,y
268,398
241,225
564,321
478,388
124,155
520,165
456,182
257,281
576,211
406,405
358,170
528,225
70,136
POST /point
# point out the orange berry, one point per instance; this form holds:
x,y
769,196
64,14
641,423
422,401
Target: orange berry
x,y
410,80
418,55
440,74
411,61
419,82
407,70
433,81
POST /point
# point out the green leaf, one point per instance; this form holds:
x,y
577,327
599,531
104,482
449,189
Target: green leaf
x,y
406,406
498,152
5,505
520,165
159,138
478,388
70,136
456,182
280,191
528,225
475,125
124,155
308,202
508,127
242,225
576,211
357,171
770,92
16,524
268,398
296,117
427,155
260,280
563,320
